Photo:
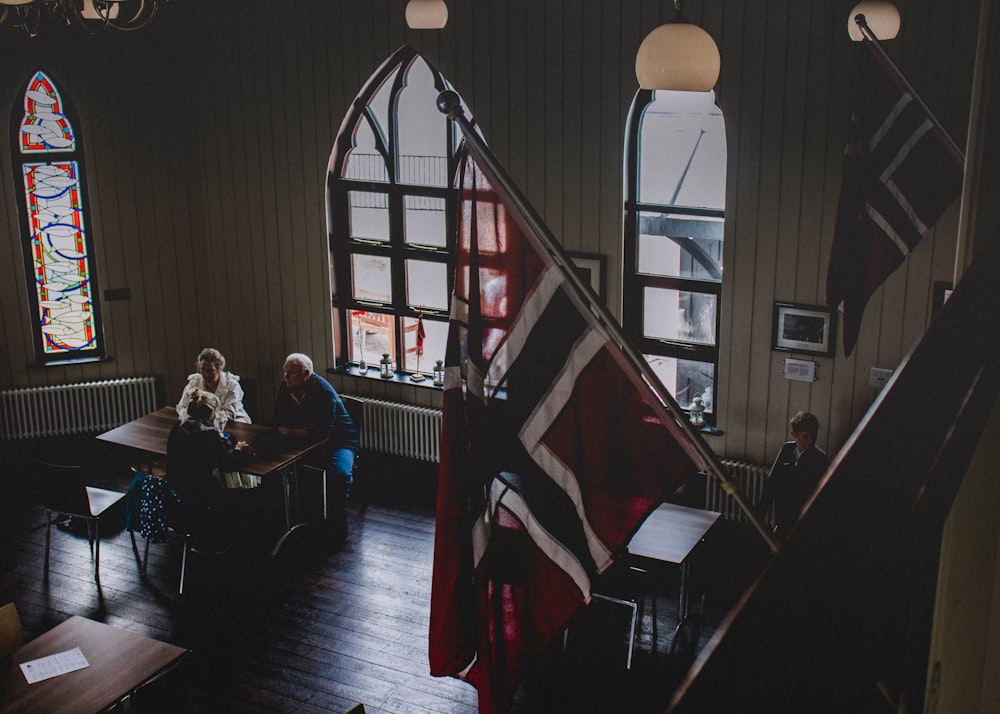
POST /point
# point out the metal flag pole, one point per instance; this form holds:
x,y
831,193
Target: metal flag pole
x,y
449,103
862,24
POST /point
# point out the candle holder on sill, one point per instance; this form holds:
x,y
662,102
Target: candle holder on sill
x,y
439,373
697,412
385,366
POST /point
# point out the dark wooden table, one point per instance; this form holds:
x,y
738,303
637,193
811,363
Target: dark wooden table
x,y
148,435
120,662
669,534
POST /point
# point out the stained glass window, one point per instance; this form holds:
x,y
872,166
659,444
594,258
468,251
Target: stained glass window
x,y
57,250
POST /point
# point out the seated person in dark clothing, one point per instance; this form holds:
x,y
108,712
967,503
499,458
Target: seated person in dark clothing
x,y
307,409
795,474
196,454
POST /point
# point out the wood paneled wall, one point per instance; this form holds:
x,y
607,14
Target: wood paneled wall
x,y
208,136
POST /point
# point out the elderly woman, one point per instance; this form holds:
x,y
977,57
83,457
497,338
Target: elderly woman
x,y
212,377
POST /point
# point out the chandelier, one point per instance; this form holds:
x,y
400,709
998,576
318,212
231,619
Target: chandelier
x,y
92,16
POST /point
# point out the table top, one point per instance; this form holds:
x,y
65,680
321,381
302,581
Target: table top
x,y
149,434
119,662
671,532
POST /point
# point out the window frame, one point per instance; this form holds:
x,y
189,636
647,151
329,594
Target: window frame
x,y
635,282
343,246
74,155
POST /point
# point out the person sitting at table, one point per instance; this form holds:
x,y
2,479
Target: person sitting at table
x,y
196,451
212,377
308,409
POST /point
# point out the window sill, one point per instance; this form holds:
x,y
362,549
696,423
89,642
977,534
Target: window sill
x,y
403,378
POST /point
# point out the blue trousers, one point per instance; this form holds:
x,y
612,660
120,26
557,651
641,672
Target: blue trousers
x,y
342,467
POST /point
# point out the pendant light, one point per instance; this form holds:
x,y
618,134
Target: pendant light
x,y
881,16
426,14
678,55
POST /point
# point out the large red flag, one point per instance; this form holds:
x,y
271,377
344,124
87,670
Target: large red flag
x,y
554,450
901,171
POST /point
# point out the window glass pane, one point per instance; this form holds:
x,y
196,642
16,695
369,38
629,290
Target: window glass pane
x,y
427,284
372,278
371,334
424,220
682,151
59,256
685,379
680,246
364,163
422,139
44,127
369,215
379,106
435,339
678,315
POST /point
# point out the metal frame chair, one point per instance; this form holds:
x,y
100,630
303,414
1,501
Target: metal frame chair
x,y
65,494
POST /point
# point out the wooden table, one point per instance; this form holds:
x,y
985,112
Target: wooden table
x,y
669,534
120,662
148,434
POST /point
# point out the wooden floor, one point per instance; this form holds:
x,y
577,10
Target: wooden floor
x,y
319,631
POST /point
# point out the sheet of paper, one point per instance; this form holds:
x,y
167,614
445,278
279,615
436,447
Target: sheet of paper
x,y
60,663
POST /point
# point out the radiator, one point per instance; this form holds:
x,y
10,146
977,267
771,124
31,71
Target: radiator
x,y
401,429
78,408
750,477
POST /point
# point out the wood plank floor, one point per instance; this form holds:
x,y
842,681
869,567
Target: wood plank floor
x,y
319,631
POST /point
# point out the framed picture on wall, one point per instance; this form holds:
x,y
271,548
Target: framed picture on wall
x,y
592,269
804,328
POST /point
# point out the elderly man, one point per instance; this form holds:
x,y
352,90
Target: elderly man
x,y
308,408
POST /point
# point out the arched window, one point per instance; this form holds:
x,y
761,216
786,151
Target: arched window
x,y
391,204
675,168
58,254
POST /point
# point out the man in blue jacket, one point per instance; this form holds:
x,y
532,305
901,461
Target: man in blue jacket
x,y
308,409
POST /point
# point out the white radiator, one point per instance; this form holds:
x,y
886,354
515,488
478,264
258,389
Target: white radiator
x,y
750,477
401,429
79,408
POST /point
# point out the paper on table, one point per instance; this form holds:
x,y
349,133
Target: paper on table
x,y
60,663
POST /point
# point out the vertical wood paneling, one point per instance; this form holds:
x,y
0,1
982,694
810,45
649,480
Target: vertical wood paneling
x,y
208,136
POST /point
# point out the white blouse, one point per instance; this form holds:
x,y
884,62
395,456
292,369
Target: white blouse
x,y
229,393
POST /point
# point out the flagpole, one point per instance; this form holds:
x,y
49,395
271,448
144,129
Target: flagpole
x,y
862,24
449,103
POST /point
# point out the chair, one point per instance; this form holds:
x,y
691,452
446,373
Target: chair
x,y
356,408
146,514
11,631
66,494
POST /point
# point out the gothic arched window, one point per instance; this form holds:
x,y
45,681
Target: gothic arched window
x,y
58,255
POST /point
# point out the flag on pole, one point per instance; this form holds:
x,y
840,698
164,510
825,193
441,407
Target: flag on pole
x,y
554,449
421,333
901,171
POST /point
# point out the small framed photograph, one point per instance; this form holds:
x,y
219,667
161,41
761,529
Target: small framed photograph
x,y
804,328
592,269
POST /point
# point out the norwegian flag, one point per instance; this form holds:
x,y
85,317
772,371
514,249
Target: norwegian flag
x,y
901,171
554,449
421,334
